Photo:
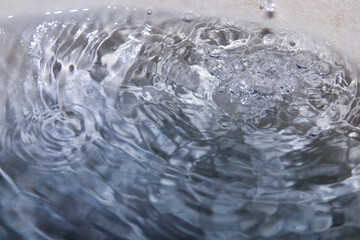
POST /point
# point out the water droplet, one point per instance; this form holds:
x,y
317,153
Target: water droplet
x,y
188,17
269,7
149,11
269,39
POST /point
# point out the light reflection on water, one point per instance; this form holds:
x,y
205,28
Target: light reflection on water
x,y
135,125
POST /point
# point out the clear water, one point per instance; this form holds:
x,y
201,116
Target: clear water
x,y
123,124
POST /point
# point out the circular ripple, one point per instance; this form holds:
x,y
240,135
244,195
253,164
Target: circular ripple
x,y
54,139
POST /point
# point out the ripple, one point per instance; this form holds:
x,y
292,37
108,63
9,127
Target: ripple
x,y
119,123
53,139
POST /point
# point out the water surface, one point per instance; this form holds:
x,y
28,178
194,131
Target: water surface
x,y
123,124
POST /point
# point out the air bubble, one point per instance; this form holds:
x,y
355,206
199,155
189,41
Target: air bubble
x,y
188,17
322,68
303,61
169,41
224,123
149,11
269,39
158,82
56,68
217,53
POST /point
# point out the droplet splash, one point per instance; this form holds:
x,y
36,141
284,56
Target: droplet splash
x,y
174,127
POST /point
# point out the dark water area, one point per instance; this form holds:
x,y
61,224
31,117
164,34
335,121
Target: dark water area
x,y
122,124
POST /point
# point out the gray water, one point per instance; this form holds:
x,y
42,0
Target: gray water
x,y
123,124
